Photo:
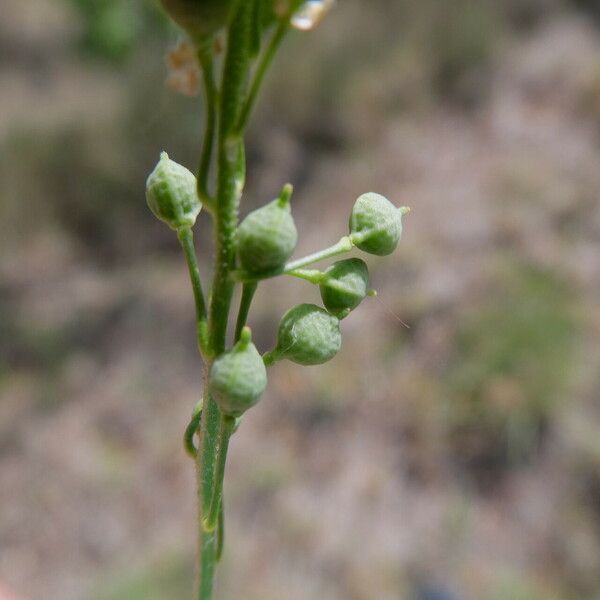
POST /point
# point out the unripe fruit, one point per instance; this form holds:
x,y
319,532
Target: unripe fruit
x,y
238,377
308,335
172,195
344,286
376,224
199,18
267,236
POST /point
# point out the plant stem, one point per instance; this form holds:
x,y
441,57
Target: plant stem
x,y
343,246
220,532
248,291
207,564
205,466
191,430
186,238
230,182
206,60
295,267
311,275
226,427
261,71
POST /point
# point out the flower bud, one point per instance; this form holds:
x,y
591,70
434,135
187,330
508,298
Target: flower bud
x,y
344,286
267,236
310,13
171,194
308,335
238,377
376,224
199,18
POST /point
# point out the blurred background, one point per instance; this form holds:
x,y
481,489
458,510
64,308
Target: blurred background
x,y
457,459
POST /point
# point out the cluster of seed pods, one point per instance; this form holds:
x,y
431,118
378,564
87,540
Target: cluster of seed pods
x,y
234,42
266,239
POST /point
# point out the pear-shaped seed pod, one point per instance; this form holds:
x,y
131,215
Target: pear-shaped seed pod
x,y
267,236
238,377
308,335
376,224
199,18
344,286
171,194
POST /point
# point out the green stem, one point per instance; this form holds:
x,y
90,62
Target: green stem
x,y
208,558
226,428
311,275
231,166
343,246
191,430
261,71
186,238
270,358
295,268
206,60
248,292
230,182
220,532
205,468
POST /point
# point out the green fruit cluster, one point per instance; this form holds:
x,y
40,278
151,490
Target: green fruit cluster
x,y
265,240
235,42
308,334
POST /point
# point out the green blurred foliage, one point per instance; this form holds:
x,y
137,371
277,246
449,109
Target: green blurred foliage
x,y
111,29
512,361
169,577
518,587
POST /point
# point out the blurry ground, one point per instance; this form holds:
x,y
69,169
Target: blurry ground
x,y
460,456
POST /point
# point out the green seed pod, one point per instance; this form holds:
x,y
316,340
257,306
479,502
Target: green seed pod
x,y
376,224
344,286
267,236
172,195
199,18
238,377
308,335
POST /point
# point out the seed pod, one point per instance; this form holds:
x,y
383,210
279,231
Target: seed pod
x,y
376,224
267,236
171,194
344,286
238,377
199,18
308,335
